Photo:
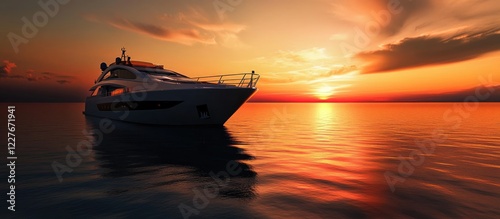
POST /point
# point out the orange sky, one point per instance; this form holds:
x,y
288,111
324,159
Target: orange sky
x,y
341,50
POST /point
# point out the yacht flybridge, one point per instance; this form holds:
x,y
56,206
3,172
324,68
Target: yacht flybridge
x,y
142,92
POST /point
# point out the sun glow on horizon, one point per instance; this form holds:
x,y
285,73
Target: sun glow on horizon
x,y
324,92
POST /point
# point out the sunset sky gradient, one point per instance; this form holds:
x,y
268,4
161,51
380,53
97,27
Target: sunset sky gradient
x,y
340,50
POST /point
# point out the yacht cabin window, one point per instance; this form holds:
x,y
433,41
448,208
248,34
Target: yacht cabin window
x,y
119,73
108,90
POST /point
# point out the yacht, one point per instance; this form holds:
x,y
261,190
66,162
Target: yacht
x,y
142,92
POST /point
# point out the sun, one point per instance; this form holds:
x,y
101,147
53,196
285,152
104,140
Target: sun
x,y
324,92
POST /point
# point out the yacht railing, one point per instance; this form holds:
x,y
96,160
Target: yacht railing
x,y
248,80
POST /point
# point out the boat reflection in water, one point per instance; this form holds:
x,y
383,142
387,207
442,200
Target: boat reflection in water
x,y
173,159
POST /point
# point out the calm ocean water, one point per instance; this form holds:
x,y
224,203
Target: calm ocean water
x,y
270,160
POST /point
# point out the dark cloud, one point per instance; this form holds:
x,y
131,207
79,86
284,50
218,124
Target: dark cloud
x,y
181,29
63,81
54,75
409,9
6,68
430,50
43,73
17,76
189,26
388,15
489,94
32,76
35,77
159,31
35,91
342,70
468,10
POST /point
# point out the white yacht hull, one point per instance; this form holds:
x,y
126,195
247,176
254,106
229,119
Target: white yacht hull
x,y
212,106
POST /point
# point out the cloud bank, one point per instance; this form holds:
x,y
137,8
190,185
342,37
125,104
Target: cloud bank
x,y
430,50
192,26
6,68
32,76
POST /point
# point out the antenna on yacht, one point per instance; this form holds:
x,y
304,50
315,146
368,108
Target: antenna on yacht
x,y
124,57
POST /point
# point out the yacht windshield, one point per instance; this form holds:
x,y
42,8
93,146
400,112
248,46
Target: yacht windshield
x,y
162,72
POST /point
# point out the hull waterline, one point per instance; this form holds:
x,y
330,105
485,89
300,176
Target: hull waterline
x,y
171,107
